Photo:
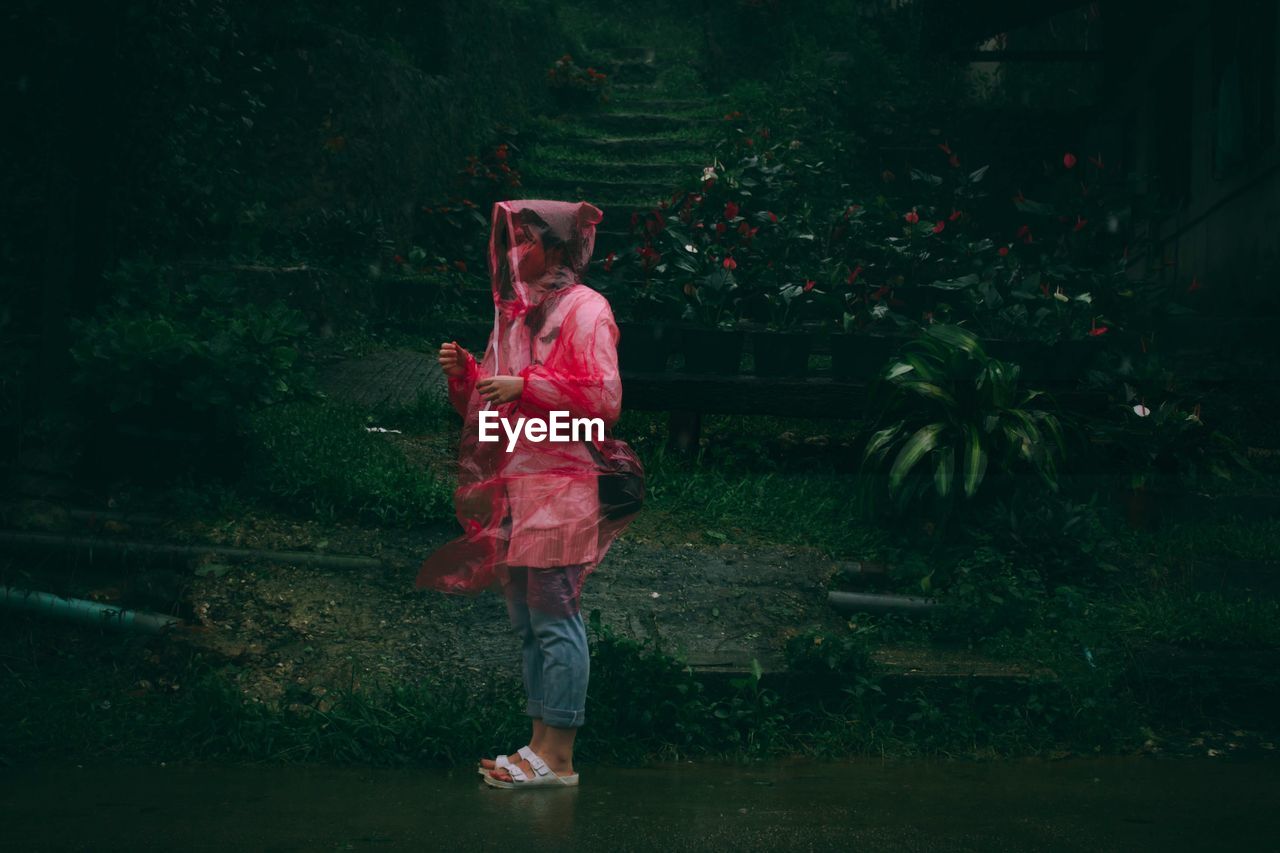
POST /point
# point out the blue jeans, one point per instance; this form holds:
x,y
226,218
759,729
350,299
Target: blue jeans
x,y
556,663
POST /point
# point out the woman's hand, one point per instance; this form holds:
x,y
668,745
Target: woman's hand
x,y
501,389
453,359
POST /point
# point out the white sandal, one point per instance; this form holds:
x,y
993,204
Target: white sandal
x,y
542,777
501,762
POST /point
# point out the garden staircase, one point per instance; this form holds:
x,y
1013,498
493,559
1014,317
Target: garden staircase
x,y
628,154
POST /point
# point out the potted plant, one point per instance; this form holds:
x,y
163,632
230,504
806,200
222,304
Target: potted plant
x,y
951,411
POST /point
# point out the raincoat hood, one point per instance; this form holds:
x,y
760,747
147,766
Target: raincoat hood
x,y
536,247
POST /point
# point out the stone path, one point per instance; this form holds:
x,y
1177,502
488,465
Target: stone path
x,y
385,379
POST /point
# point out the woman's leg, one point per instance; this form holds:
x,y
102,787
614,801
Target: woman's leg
x,y
555,620
516,591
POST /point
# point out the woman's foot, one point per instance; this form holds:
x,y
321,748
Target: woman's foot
x,y
559,765
535,743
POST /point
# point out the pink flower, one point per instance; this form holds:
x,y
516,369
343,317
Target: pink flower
x,y
955,214
773,217
938,226
809,285
853,276
730,264
1002,251
1080,223
1098,330
1069,160
912,216
730,210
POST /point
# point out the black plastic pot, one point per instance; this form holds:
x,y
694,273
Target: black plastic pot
x,y
861,356
644,347
715,351
781,353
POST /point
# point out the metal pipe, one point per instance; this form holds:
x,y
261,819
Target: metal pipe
x,y
83,610
870,602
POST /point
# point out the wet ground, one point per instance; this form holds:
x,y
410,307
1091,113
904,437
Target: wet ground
x,y
1089,805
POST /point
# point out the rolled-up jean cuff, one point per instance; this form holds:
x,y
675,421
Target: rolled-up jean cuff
x,y
563,719
533,709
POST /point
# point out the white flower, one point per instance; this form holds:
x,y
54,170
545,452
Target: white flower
x,y
708,173
1060,296
879,311
795,143
1141,410
654,594
1085,297
689,247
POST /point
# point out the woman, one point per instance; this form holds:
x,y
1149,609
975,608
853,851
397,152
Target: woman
x,y
538,517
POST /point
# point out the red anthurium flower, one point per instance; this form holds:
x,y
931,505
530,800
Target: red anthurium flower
x,y
955,214
730,264
884,290
398,259
1069,160
744,227
721,228
938,226
608,261
1098,330
461,265
912,217
749,141
730,210
1002,251
946,149
1044,288
809,285
773,217
501,152
708,183
1081,222
853,276
954,161
1195,285
1096,160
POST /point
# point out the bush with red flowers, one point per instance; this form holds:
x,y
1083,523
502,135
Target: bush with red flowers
x,y
574,84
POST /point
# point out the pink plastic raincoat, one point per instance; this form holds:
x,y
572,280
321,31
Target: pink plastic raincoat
x,y
540,504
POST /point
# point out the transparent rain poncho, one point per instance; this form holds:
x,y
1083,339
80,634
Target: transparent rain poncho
x,y
543,504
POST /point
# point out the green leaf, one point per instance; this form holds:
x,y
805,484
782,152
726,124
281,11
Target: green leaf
x,y
975,461
956,337
913,450
978,174
881,439
956,283
945,473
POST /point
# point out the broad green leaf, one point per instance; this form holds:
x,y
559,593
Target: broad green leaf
x,y
881,440
945,473
913,450
975,461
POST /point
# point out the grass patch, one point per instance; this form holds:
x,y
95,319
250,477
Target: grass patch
x,y
319,459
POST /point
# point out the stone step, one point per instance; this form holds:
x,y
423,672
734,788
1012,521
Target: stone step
x,y
633,53
608,187
631,145
638,121
615,171
660,104
631,71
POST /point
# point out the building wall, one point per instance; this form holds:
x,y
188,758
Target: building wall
x,y
1225,232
